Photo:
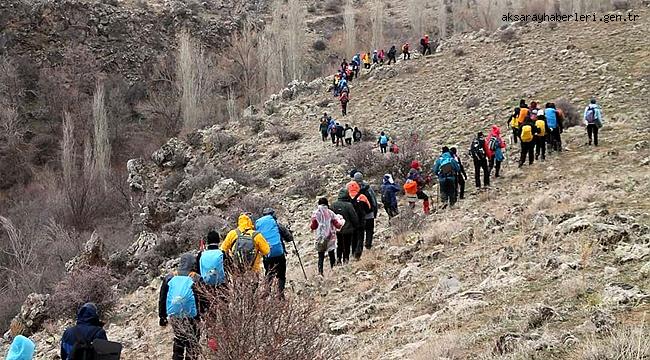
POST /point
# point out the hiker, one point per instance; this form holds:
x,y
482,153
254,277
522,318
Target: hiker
x,y
462,175
369,193
356,64
447,169
179,304
405,51
593,118
21,348
343,86
277,235
366,60
393,148
344,65
383,142
325,223
335,89
514,125
389,196
340,132
348,134
88,328
553,123
415,175
478,152
495,150
357,135
523,112
424,43
323,128
343,207
540,137
375,57
528,131
332,131
211,263
344,99
382,56
392,55
363,208
245,245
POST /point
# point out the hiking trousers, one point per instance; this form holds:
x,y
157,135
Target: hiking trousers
x,y
391,59
515,134
186,339
391,210
344,108
370,232
556,140
460,186
383,148
448,190
494,164
333,138
340,140
527,149
348,141
478,165
325,135
276,267
321,260
343,247
357,240
592,131
540,147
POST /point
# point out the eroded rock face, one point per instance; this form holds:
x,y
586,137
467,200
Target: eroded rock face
x,y
174,154
135,168
91,255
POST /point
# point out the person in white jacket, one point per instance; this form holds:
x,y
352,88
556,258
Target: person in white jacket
x,y
593,119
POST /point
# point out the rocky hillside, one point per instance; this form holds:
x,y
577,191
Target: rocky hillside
x,y
542,265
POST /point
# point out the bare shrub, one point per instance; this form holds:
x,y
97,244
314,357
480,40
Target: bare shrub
x,y
571,115
367,135
458,52
621,4
508,35
249,204
623,343
446,346
244,55
333,6
308,185
255,123
276,173
285,135
405,223
270,327
221,142
319,45
91,284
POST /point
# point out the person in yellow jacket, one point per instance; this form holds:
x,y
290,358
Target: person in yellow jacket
x,y
246,228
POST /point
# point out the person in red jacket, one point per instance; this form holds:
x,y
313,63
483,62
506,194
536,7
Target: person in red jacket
x,y
494,149
325,223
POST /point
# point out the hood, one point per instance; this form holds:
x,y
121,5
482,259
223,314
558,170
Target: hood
x,y
388,179
244,222
446,155
415,164
353,188
343,195
87,315
593,106
21,349
187,264
495,131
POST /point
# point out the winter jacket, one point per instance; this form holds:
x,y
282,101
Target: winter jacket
x,y
21,349
340,130
551,118
392,52
88,328
367,190
245,225
362,205
415,175
323,127
460,164
443,159
349,133
495,132
186,267
344,207
598,113
389,193
357,135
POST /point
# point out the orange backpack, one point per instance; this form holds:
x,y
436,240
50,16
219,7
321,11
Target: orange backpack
x,y
410,187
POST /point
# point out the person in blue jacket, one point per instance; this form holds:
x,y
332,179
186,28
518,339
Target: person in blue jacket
x,y
21,349
389,193
555,130
447,169
88,328
276,234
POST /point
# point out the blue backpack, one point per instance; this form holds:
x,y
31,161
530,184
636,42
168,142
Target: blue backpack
x,y
383,139
180,297
268,227
211,265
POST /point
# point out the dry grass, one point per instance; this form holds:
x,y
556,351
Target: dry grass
x,y
629,343
448,346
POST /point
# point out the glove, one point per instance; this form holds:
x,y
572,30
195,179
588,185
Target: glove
x,y
162,322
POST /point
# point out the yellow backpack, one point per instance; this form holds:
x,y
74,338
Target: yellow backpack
x,y
514,122
526,133
541,125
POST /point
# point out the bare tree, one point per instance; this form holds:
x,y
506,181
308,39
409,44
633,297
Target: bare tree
x,y
349,27
68,154
416,14
295,31
101,143
274,51
232,105
377,23
243,53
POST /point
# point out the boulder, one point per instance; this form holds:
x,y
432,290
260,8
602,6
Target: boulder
x,y
628,252
29,320
623,294
135,169
91,255
222,192
574,224
174,154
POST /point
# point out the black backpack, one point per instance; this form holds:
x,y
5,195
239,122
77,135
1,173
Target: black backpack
x,y
477,149
94,349
360,207
372,200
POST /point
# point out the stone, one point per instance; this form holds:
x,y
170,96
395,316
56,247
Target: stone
x,y
623,294
29,320
135,168
340,327
222,192
628,252
610,234
574,224
92,254
174,154
645,270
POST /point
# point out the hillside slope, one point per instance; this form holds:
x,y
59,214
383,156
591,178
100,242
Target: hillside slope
x,y
549,256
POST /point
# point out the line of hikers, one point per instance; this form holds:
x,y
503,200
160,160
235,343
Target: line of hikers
x,y
339,134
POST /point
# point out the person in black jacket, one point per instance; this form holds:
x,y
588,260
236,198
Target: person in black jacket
x,y
88,328
343,207
462,175
340,133
186,330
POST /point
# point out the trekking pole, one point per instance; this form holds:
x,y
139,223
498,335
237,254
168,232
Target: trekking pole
x,y
299,260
